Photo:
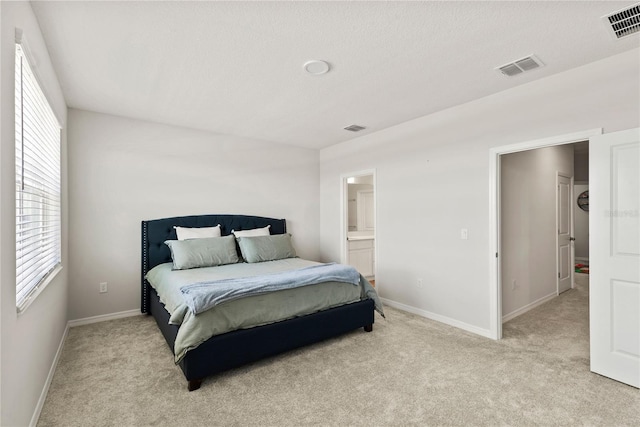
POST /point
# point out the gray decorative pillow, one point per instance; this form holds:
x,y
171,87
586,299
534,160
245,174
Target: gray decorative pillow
x,y
266,248
205,252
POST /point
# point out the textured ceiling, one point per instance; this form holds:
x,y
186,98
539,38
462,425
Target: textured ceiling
x,y
236,67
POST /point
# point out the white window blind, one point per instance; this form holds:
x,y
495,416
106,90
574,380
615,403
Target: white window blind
x,y
38,224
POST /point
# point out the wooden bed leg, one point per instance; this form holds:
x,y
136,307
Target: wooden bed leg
x,y
194,384
368,328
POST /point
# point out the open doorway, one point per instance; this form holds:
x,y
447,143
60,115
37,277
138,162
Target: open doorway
x,y
359,222
542,306
536,227
496,251
610,335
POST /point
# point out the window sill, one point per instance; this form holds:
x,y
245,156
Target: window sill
x,y
27,302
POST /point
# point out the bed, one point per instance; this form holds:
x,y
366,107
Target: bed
x,y
238,347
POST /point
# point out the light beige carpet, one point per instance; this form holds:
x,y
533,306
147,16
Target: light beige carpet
x,y
408,371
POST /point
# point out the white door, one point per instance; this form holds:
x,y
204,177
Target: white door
x,y
563,222
614,260
366,214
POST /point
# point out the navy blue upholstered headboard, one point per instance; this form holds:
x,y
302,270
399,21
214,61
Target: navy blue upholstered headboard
x,y
156,231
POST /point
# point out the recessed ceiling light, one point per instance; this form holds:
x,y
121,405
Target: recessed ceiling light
x,y
316,67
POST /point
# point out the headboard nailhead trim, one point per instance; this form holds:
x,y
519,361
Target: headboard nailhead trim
x,y
145,265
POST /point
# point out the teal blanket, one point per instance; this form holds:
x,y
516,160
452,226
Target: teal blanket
x,y
203,296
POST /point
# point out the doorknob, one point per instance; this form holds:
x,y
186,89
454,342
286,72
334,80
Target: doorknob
x,y
573,239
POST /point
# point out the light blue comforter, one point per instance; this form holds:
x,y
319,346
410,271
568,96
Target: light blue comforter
x,y
200,297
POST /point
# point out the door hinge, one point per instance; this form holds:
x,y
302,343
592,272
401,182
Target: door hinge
x,y
496,254
558,275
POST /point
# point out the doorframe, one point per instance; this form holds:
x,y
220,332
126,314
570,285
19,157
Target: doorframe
x,y
344,215
495,279
572,254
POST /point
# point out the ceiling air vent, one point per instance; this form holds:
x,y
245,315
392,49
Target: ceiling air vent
x,y
624,22
354,128
520,66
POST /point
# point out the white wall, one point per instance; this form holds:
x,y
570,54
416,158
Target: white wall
x,y
528,217
29,340
432,177
581,225
123,171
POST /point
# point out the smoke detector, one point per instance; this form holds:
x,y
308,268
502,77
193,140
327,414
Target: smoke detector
x,y
623,22
521,65
354,128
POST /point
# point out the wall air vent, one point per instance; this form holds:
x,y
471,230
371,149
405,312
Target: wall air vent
x,y
354,128
520,66
624,22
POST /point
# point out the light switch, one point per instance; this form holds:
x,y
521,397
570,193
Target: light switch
x,y
464,234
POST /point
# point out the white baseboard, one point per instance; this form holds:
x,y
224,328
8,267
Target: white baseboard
x,y
104,317
438,317
47,383
528,307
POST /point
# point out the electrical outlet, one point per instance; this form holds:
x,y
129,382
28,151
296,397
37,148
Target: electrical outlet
x,y
419,283
103,287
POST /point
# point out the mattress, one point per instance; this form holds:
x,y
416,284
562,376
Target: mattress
x,y
246,312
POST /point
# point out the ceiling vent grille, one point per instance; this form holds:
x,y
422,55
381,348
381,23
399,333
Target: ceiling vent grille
x,y
354,128
624,22
520,66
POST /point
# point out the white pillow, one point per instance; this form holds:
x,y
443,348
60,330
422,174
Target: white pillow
x,y
185,233
253,232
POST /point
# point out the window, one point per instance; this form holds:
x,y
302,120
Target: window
x,y
38,225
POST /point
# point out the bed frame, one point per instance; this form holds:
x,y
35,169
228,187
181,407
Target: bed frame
x,y
243,346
